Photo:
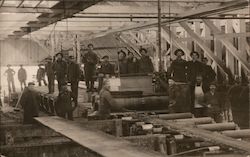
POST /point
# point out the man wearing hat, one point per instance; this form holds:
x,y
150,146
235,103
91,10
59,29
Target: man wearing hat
x,y
208,74
60,68
73,77
90,60
10,78
178,68
50,74
40,76
105,71
213,103
132,62
22,76
145,63
30,103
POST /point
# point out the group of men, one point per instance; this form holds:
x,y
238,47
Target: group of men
x,y
200,76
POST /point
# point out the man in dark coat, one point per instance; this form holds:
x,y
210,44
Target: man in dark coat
x,y
22,77
208,74
178,69
40,76
105,71
64,104
132,62
60,68
50,75
145,63
122,67
30,102
90,60
194,67
10,78
73,77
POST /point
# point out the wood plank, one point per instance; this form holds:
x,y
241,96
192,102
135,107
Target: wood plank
x,y
99,142
213,137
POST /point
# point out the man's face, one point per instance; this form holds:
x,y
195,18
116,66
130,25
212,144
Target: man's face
x,y
198,79
143,53
130,55
195,57
91,47
212,87
106,59
31,87
121,55
179,54
59,57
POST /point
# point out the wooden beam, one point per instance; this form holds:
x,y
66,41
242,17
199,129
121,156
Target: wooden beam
x,y
203,45
20,4
1,3
228,45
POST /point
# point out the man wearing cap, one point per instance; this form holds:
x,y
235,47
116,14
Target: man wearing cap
x,y
145,63
73,77
60,69
10,78
22,76
132,62
50,74
90,60
40,76
178,68
208,74
105,71
30,102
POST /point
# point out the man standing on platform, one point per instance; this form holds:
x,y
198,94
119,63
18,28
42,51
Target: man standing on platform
x,y
60,67
50,75
145,63
73,77
22,76
40,76
90,60
10,78
30,103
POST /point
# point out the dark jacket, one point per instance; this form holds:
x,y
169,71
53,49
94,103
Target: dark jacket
x,y
123,66
89,59
208,74
178,70
145,65
10,74
194,69
213,100
64,102
22,75
73,72
60,68
49,70
40,73
30,102
132,65
107,68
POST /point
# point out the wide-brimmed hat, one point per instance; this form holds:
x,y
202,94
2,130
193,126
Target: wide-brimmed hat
x,y
106,56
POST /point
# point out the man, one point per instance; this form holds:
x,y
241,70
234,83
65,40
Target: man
x,y
10,78
50,75
194,68
90,60
64,105
198,97
178,68
73,77
40,76
145,63
22,76
60,69
105,71
208,74
213,104
132,62
122,67
30,103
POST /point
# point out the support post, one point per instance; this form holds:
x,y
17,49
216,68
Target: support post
x,y
159,36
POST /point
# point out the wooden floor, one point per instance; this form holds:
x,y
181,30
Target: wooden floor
x,y
97,141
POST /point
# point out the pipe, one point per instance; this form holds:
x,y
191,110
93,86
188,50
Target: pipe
x,y
193,121
144,103
218,126
174,116
237,133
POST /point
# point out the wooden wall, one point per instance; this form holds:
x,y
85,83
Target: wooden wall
x,y
21,51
